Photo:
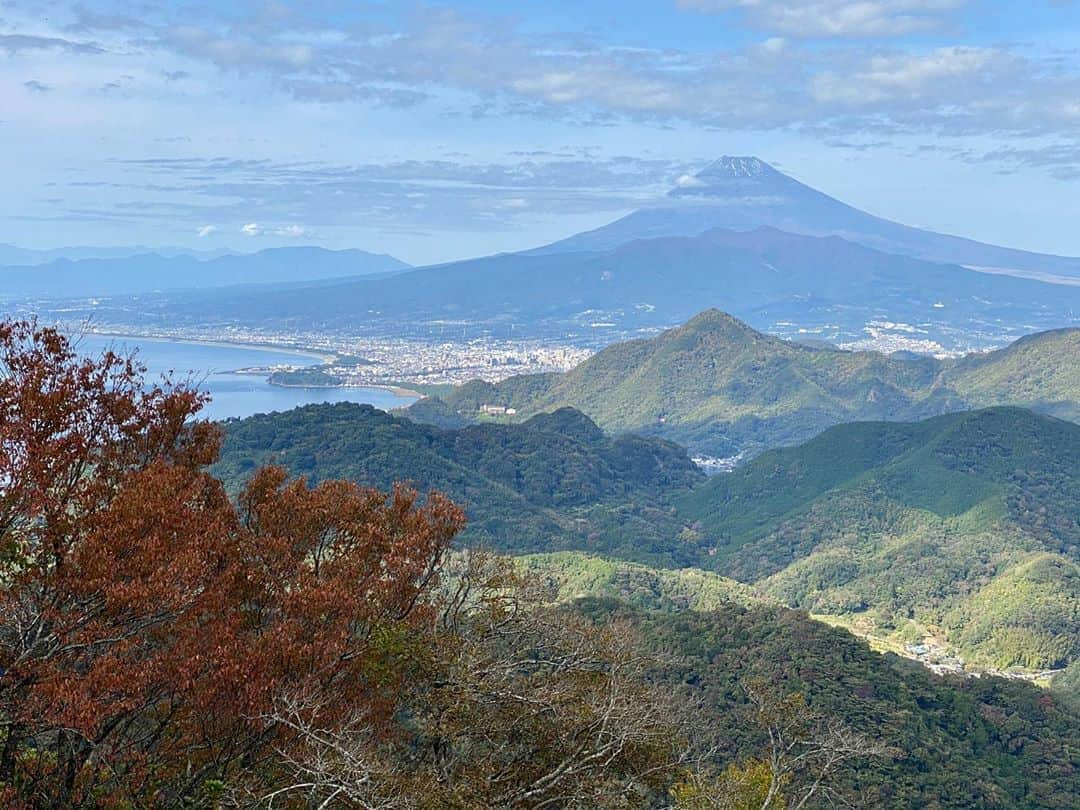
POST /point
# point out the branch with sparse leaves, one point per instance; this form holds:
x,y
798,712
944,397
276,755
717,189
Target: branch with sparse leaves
x,y
522,704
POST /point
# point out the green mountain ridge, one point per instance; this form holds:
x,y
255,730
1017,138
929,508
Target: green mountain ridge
x,y
720,387
968,524
963,742
960,742
963,527
554,482
575,575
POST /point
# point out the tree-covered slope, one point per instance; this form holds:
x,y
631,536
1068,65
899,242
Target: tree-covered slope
x,y
963,528
966,524
993,565
952,741
554,482
574,575
1038,371
959,742
720,387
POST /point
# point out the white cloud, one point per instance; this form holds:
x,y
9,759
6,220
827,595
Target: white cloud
x,y
908,76
291,231
12,44
206,230
835,18
489,66
310,200
689,181
445,62
251,229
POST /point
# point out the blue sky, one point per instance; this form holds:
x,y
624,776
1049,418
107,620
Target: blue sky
x,y
442,130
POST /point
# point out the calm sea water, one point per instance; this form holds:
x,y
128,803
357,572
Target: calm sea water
x,y
234,394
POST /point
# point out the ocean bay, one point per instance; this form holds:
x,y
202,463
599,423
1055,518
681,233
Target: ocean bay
x,y
214,367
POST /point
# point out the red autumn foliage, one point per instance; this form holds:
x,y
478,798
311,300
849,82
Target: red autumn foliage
x,y
147,623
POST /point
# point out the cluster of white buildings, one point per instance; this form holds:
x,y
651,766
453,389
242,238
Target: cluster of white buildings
x,y
941,661
360,361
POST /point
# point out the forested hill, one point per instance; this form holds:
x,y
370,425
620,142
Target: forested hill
x,y
966,527
959,742
213,651
955,740
720,387
963,528
555,481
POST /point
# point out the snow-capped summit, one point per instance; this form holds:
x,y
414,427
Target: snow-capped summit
x,y
733,166
729,174
743,193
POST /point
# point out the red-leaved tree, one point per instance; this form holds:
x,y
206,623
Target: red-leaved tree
x,y
148,624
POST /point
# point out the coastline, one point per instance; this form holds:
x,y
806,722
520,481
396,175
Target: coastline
x,y
396,390
312,354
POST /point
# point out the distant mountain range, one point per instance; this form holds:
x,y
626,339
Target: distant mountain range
x,y
740,236
13,255
744,193
148,272
823,287
721,387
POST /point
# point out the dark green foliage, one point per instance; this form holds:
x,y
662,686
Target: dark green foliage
x,y
965,525
946,465
433,411
1066,685
310,377
969,522
964,742
553,482
1028,616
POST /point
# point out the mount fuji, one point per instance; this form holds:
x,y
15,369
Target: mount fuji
x,y
739,235
745,193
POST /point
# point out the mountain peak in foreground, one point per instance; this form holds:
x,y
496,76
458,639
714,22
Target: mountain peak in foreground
x,y
713,319
720,387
